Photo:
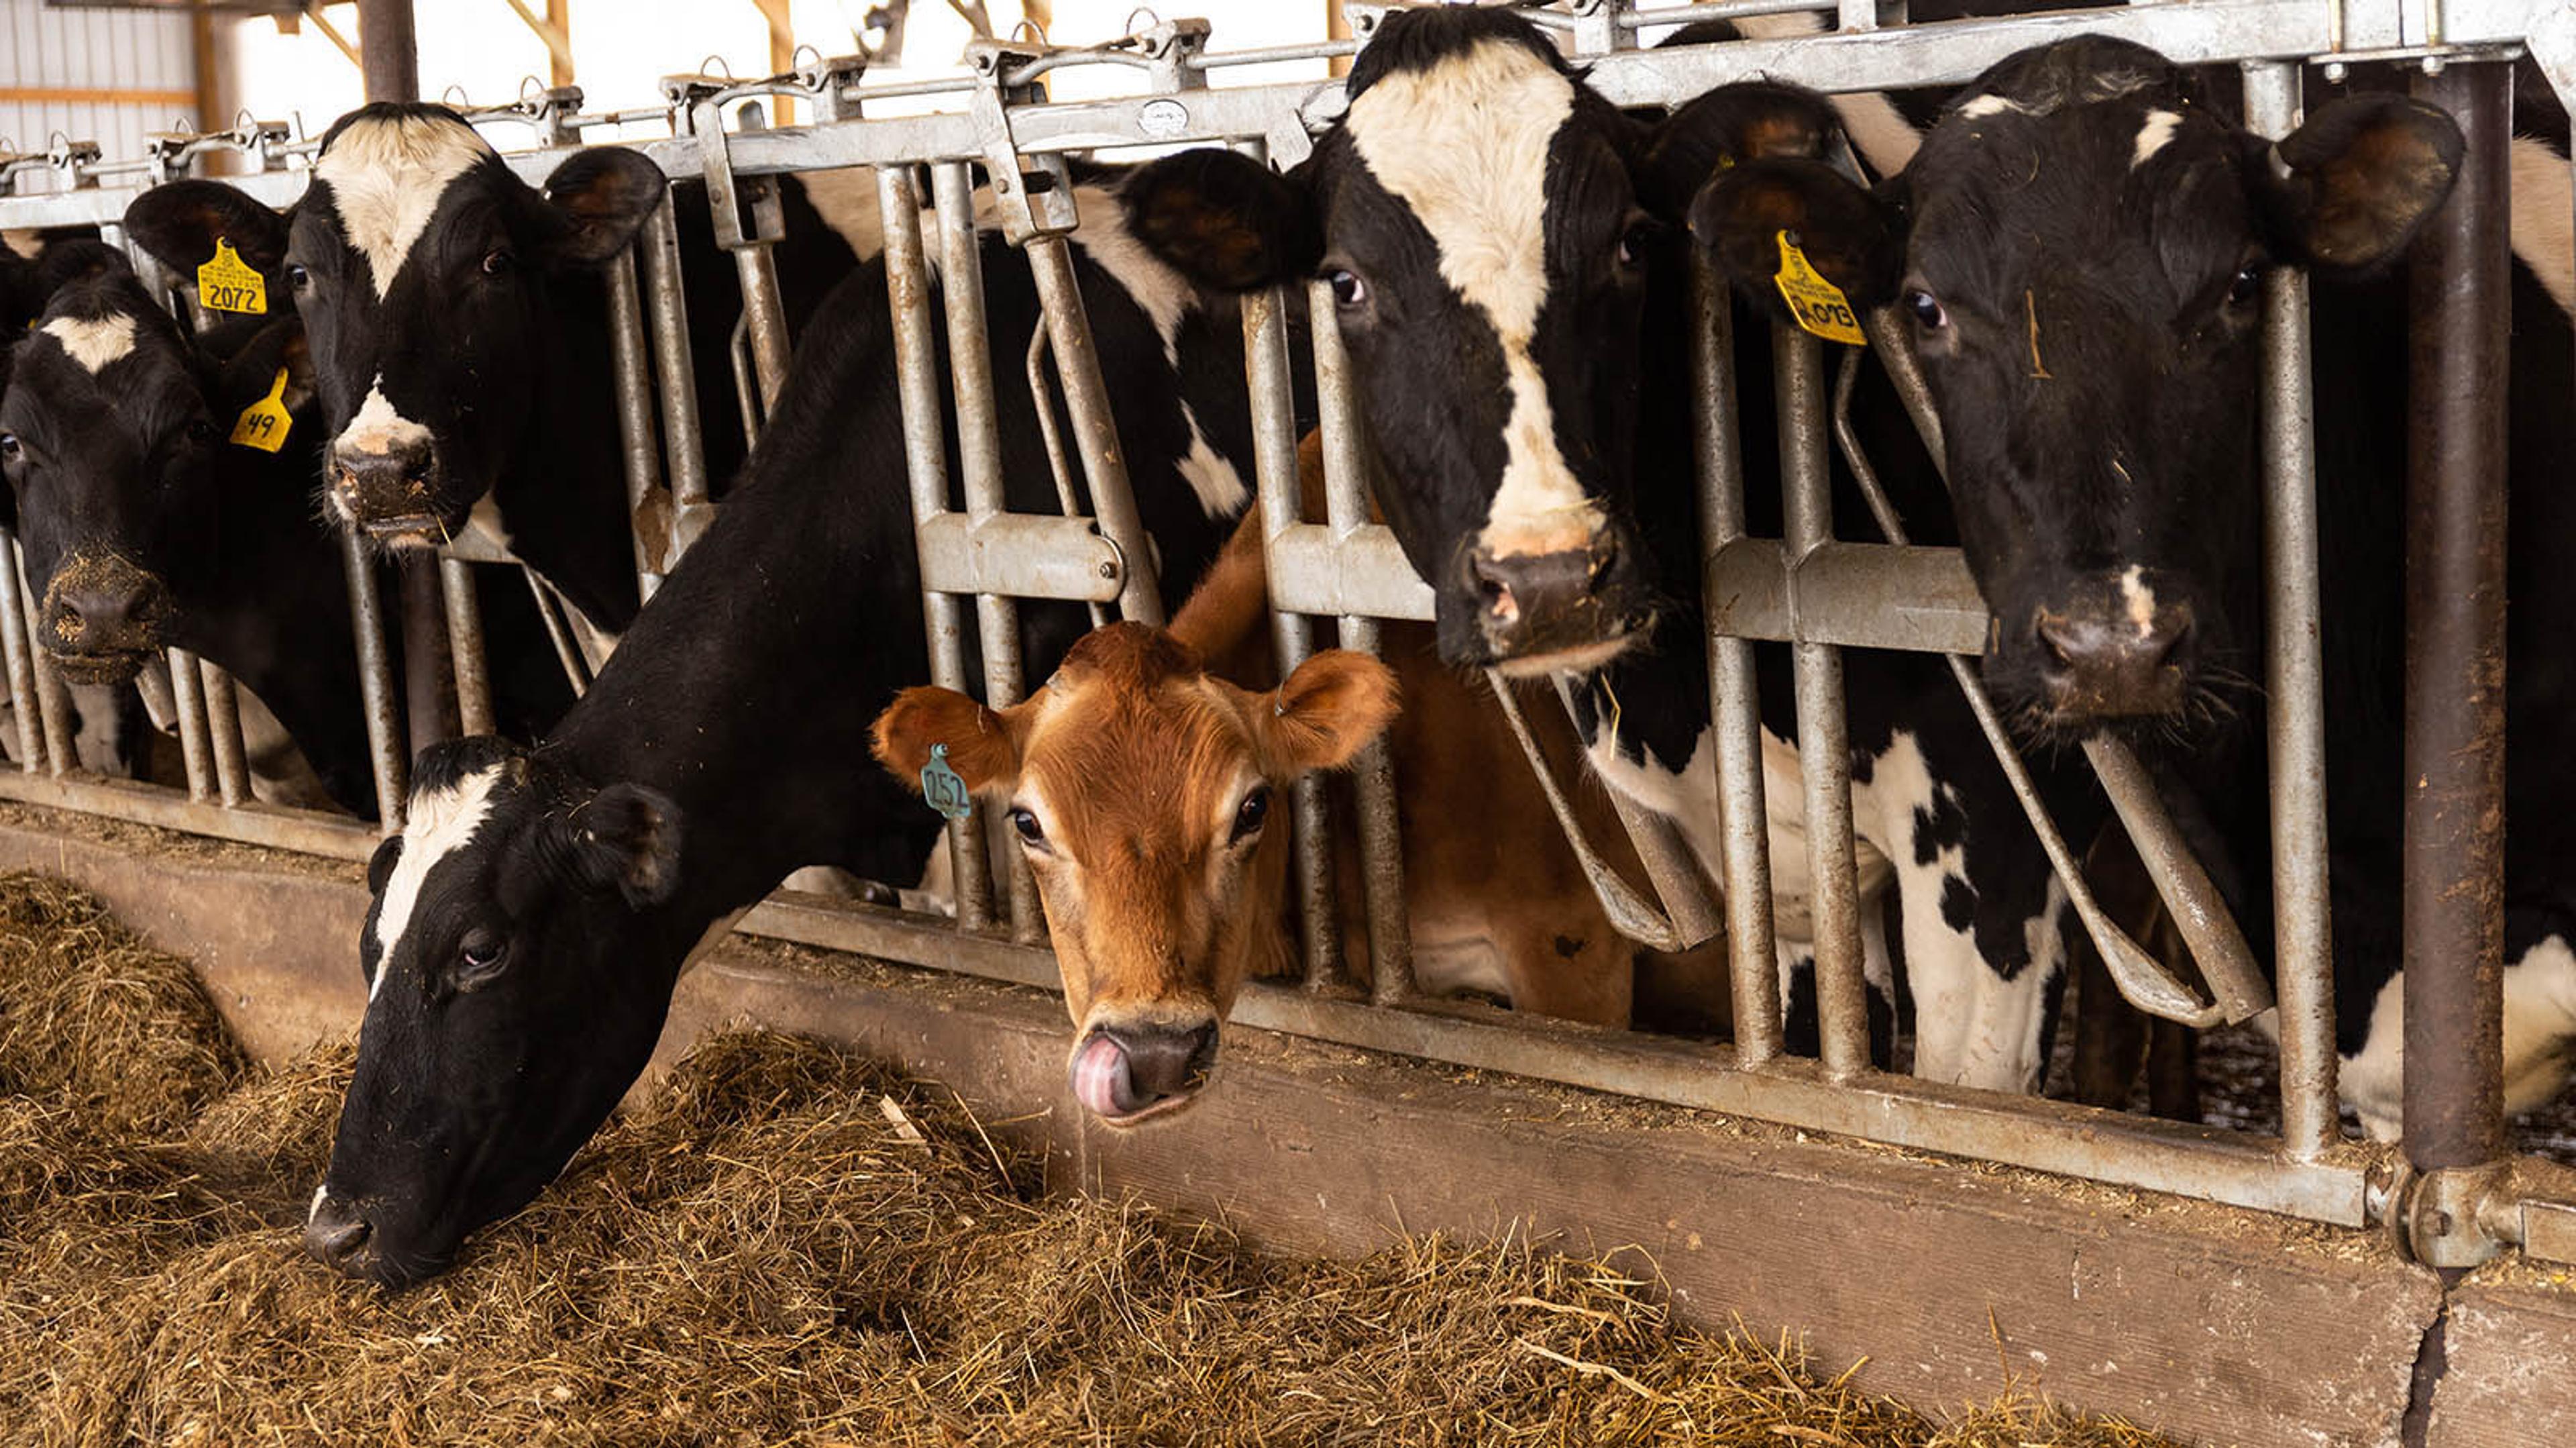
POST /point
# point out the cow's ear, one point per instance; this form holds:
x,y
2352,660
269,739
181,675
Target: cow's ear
x,y
2347,191
180,222
603,194
1224,220
1852,237
380,865
1754,121
983,746
1323,714
627,838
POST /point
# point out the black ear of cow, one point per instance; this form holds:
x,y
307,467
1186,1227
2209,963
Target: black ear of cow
x,y
1224,220
627,839
180,221
1853,238
605,193
2364,174
1754,121
380,865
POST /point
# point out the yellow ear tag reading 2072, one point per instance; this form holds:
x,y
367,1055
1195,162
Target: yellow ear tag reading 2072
x,y
1818,304
263,424
229,284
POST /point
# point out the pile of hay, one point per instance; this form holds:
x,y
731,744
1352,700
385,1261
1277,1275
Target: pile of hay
x,y
787,1245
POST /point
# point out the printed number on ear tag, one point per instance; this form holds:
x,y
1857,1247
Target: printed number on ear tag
x,y
263,424
943,788
229,284
1819,305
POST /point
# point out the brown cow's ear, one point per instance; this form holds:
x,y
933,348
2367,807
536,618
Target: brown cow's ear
x,y
1753,121
604,192
1224,220
1326,712
2347,191
1850,236
982,746
180,221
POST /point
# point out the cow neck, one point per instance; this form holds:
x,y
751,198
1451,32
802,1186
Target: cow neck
x,y
564,504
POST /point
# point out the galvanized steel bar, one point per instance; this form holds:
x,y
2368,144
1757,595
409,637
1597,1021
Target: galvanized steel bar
x,y
1346,510
223,722
631,369
1824,748
250,823
465,642
1316,570
979,471
429,679
2294,681
925,446
1095,431
376,685
1734,702
764,317
550,613
196,746
15,640
2455,643
683,447
53,701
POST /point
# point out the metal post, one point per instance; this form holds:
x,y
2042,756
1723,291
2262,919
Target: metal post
x,y
388,56
666,310
196,746
550,613
635,430
2294,678
465,639
429,683
1346,509
22,669
979,467
223,719
762,313
53,701
2455,643
1095,430
376,684
1735,703
916,360
1824,749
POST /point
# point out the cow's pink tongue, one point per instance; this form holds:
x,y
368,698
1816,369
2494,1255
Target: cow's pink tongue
x,y
1100,1079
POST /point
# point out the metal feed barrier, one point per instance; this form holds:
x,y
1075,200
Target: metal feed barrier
x,y
2453,1196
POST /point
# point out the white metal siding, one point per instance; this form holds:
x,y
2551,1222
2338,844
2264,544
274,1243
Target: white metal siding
x,y
92,50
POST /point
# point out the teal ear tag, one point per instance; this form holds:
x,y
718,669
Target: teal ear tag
x,y
943,789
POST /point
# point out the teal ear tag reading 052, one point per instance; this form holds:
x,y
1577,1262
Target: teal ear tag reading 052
x,y
943,789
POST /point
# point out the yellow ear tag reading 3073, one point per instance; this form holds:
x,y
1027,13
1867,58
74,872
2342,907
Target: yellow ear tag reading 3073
x,y
263,424
229,284
1819,305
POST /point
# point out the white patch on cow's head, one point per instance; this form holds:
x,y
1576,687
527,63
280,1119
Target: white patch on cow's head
x,y
2139,599
1463,143
1221,490
386,175
1977,108
93,342
2544,219
377,428
2153,136
315,1209
441,822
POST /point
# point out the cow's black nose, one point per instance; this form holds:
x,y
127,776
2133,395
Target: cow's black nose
x,y
1165,1062
388,491
339,1236
1540,603
104,605
2102,665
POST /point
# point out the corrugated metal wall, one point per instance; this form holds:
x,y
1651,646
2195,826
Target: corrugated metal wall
x,y
45,50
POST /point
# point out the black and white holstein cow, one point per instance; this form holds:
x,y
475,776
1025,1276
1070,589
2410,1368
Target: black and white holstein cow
x,y
2080,247
530,923
1499,244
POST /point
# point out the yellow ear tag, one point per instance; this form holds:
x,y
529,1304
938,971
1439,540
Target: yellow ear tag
x,y
263,424
1818,304
229,284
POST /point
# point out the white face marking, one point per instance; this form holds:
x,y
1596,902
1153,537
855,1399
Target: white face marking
x,y
1220,489
2544,219
1980,107
1166,297
2153,136
386,177
1464,146
93,343
441,823
315,1210
2140,600
377,429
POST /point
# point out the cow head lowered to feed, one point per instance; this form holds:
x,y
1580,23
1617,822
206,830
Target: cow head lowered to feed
x,y
424,269
501,927
2078,253
1143,791
1489,228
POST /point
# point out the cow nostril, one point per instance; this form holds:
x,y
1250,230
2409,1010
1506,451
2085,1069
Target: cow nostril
x,y
2056,637
1494,590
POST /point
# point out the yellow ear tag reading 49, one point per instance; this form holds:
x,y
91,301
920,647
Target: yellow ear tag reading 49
x,y
1819,305
263,424
229,284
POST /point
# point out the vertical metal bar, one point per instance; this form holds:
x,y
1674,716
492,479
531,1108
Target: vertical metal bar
x,y
1733,700
550,613
666,312
53,701
916,354
2455,640
1346,509
429,681
388,56
764,317
196,746
635,429
223,721
376,684
1095,430
465,641
14,638
1824,749
2294,678
979,467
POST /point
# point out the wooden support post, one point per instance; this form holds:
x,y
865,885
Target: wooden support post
x,y
782,54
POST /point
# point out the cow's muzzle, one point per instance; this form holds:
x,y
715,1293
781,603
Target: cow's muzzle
x,y
1564,611
390,497
103,618
1125,1074
2115,648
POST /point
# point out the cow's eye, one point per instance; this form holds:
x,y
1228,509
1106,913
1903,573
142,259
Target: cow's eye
x,y
298,278
10,452
1250,815
1926,310
499,263
1027,825
2246,287
1632,242
480,958
1348,289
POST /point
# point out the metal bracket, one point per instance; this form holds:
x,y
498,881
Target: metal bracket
x,y
1032,195
732,199
2451,1216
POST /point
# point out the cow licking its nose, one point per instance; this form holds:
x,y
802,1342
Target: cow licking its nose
x,y
1531,606
103,617
1124,1073
2115,650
